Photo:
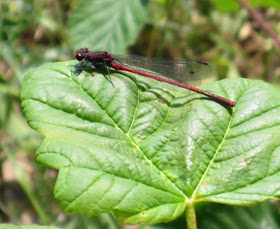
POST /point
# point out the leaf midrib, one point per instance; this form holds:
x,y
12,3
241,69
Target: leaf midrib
x,y
193,197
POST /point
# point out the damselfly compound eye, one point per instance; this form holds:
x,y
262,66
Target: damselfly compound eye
x,y
79,56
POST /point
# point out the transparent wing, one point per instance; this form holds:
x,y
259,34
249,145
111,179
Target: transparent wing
x,y
185,71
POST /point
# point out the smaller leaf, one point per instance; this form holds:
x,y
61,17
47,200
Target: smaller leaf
x,y
229,5
106,25
261,216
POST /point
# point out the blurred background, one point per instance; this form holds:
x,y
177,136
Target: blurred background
x,y
222,33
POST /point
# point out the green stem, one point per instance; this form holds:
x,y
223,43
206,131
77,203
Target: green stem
x,y
26,186
110,221
191,217
13,91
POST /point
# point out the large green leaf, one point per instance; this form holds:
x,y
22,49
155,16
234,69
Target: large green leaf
x,y
132,148
106,25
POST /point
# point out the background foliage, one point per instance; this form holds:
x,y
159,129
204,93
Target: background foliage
x,y
35,32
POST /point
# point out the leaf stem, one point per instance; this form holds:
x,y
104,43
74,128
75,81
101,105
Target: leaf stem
x,y
191,217
13,91
26,186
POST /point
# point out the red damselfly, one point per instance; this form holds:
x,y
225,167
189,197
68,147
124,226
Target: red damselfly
x,y
172,72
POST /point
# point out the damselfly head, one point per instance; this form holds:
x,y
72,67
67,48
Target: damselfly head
x,y
81,53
